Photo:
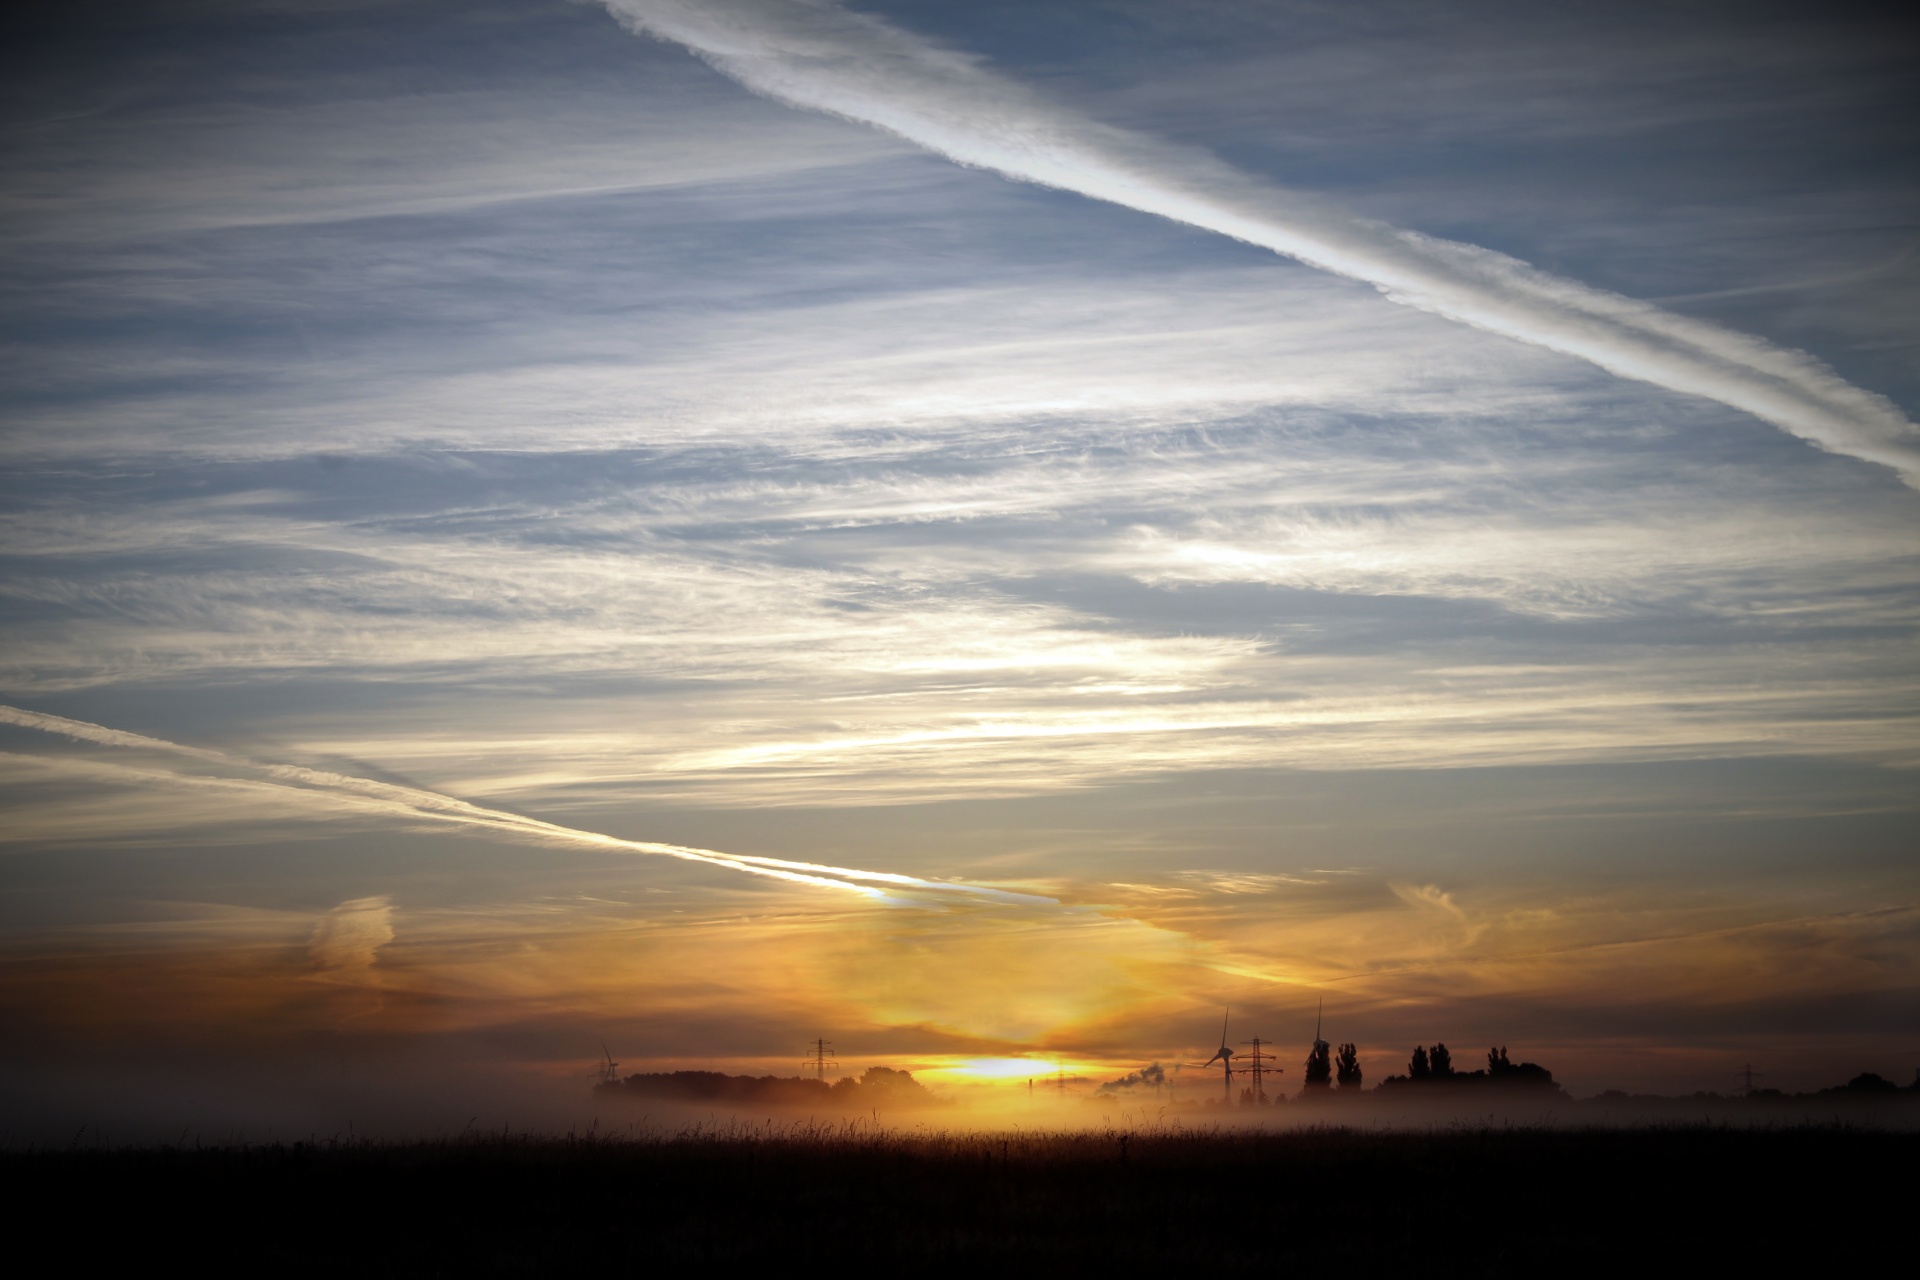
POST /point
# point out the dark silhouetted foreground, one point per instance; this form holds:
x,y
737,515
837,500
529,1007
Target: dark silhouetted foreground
x,y
880,1088
1437,1203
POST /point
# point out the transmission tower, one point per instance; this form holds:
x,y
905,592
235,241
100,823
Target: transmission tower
x,y
1258,1068
820,1060
1747,1076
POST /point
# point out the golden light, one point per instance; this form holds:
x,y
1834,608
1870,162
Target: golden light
x,y
989,1070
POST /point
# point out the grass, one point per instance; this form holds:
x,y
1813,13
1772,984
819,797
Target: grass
x,y
850,1196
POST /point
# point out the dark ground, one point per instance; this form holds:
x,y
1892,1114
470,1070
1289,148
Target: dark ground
x,y
842,1201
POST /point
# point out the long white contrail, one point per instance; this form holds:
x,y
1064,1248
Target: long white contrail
x,y
817,55
366,795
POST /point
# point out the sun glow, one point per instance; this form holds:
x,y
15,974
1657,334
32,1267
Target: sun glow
x,y
990,1070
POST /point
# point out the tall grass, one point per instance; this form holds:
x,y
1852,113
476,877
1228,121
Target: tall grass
x,y
857,1193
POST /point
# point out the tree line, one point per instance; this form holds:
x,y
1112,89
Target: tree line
x,y
1429,1065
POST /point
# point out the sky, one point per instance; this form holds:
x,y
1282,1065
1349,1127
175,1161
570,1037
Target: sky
x,y
986,533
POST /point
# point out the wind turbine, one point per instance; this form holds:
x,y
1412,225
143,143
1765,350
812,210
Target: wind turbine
x,y
610,1073
1319,1064
1224,1056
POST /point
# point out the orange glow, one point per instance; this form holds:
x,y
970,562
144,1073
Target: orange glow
x,y
1007,1070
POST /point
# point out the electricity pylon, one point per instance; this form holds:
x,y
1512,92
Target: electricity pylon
x,y
821,1060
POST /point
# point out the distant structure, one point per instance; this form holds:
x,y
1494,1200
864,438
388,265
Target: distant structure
x,y
1320,1060
609,1069
1257,1068
820,1060
1224,1056
1747,1076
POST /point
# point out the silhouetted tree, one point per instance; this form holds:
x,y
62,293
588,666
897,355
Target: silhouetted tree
x,y
1348,1067
1868,1082
1319,1066
1507,1072
1420,1068
1440,1061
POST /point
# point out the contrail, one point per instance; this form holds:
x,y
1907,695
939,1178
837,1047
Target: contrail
x,y
817,55
366,795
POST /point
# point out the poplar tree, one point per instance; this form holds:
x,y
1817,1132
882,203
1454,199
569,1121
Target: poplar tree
x,y
1347,1065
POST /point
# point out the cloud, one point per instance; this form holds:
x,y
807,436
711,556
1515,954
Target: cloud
x,y
348,938
1431,897
313,164
822,57
1242,882
822,620
365,795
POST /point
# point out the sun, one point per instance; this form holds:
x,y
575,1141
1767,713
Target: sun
x,y
981,1070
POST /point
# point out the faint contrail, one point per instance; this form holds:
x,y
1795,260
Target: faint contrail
x,y
815,54
368,795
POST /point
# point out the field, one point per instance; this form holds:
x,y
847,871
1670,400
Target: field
x,y
848,1196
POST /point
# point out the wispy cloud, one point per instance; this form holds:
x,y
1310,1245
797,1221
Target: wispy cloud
x,y
348,938
930,613
365,795
823,57
356,148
